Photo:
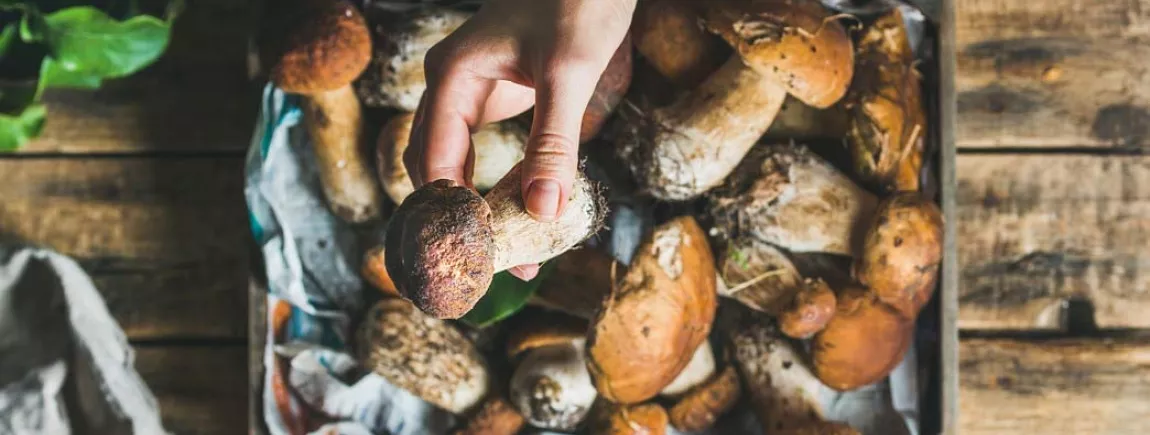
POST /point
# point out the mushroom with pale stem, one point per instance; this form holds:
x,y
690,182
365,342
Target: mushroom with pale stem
x,y
656,318
316,49
445,242
887,132
497,147
682,150
641,419
703,405
550,385
668,36
785,195
784,394
423,355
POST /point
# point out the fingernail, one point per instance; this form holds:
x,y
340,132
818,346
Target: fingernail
x,y
543,199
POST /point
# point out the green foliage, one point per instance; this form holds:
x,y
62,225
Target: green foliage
x,y
72,46
505,296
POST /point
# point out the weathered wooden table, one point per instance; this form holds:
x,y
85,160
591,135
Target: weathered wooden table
x,y
142,182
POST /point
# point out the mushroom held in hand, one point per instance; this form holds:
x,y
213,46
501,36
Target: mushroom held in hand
x,y
445,242
785,195
422,355
902,252
497,146
682,150
702,406
887,118
316,49
655,319
863,342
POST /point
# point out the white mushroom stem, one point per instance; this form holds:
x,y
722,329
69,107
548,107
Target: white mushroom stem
x,y
551,387
498,147
784,393
698,371
335,126
520,239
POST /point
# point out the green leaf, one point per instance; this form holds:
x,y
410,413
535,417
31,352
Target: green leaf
x,y
84,39
55,76
31,25
15,130
7,38
505,296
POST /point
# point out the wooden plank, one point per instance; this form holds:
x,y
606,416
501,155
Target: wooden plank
x,y
200,389
1079,386
1063,73
164,239
1037,230
196,97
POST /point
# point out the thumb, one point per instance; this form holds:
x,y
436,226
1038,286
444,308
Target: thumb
x,y
552,154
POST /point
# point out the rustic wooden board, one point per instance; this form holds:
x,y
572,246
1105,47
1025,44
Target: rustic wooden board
x,y
200,389
1063,73
164,239
1035,230
1070,386
197,97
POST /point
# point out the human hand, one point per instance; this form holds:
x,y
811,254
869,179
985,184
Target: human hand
x,y
510,56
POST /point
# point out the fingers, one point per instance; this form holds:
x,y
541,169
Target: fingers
x,y
551,157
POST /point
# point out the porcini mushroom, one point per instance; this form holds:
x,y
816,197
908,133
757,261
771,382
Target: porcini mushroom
x,y
902,252
495,417
579,282
679,151
809,311
758,275
641,419
862,343
785,195
422,355
887,119
550,386
316,49
784,394
697,371
669,37
497,146
445,242
656,318
396,76
703,405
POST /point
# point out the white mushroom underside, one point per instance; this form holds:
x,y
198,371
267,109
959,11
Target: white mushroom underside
x,y
701,367
552,388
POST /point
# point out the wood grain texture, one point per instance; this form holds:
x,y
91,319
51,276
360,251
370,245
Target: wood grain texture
x,y
1063,73
1037,230
200,389
197,97
1069,386
164,239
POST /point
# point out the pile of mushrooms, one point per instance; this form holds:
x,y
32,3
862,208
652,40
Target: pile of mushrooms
x,y
786,144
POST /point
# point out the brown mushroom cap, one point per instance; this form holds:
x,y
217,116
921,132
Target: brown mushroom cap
x,y
495,417
668,35
863,342
902,252
644,419
422,355
702,406
316,46
650,327
539,328
810,311
441,238
579,283
797,43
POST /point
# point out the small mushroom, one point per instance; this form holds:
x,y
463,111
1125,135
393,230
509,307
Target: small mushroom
x,y
864,341
654,320
642,419
497,146
551,387
316,48
445,242
809,311
902,252
668,36
703,405
422,355
495,417
396,76
680,151
887,119
784,394
785,195
698,370
758,275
